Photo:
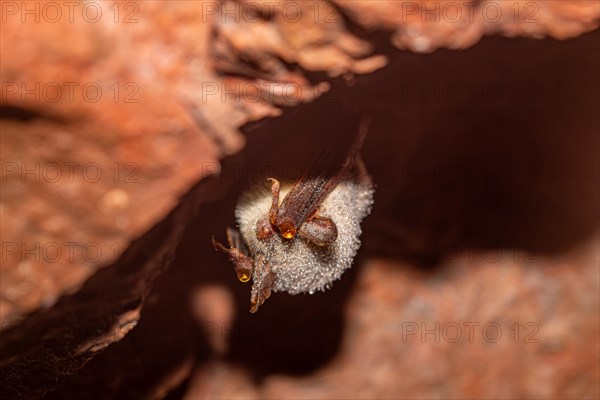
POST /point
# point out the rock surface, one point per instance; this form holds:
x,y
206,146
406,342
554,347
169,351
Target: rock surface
x,y
470,329
113,117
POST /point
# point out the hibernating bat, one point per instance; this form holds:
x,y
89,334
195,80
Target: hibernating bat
x,y
305,242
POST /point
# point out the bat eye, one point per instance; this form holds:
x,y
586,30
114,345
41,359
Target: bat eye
x,y
263,229
287,229
243,276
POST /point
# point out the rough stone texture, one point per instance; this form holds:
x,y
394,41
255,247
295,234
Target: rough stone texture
x,y
514,168
310,33
424,26
56,342
101,137
164,115
104,171
470,329
478,176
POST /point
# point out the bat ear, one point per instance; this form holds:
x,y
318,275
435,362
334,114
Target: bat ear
x,y
242,264
358,171
264,230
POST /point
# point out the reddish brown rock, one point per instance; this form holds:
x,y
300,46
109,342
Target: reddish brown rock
x,y
424,26
470,329
106,125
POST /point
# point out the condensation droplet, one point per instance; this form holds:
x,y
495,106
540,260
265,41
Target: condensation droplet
x,y
243,277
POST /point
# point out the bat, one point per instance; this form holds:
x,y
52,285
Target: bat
x,y
305,242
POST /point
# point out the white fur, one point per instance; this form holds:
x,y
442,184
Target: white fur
x,y
300,266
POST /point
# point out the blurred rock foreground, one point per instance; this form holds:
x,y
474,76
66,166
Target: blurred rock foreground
x,y
478,276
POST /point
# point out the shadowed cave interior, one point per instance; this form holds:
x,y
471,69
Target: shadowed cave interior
x,y
489,147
